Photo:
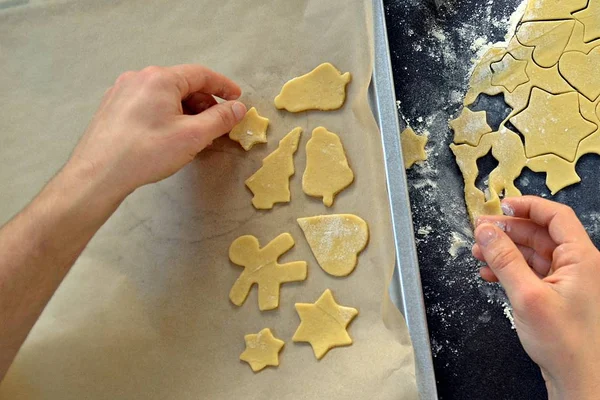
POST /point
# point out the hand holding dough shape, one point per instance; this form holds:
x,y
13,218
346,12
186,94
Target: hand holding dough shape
x,y
336,240
261,268
324,88
327,171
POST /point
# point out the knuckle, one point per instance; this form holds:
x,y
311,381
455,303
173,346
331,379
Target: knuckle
x,y
530,298
225,116
502,258
124,76
566,254
154,75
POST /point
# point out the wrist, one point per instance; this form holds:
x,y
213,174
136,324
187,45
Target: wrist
x,y
577,386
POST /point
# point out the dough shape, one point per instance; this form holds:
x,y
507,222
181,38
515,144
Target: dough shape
x,y
544,106
262,349
581,71
413,147
507,149
251,130
261,267
470,126
271,183
549,38
509,72
539,10
559,172
327,171
590,18
336,240
324,88
552,124
323,324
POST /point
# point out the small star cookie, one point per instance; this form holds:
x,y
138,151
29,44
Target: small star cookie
x,y
470,126
509,72
262,349
323,324
251,130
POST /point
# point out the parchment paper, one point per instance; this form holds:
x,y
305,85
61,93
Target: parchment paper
x,y
145,314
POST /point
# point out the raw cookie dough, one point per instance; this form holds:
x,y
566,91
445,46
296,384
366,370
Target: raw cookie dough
x,y
546,98
590,18
324,88
581,71
327,171
271,183
538,10
336,240
549,38
251,130
509,72
413,147
323,324
262,349
470,126
261,267
552,124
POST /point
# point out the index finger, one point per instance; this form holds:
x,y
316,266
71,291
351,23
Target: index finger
x,y
196,78
560,220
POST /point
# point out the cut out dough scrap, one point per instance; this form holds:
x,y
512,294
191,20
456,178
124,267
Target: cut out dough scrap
x,y
413,147
559,172
537,10
251,130
481,78
552,124
590,18
507,149
271,183
262,350
581,71
327,171
324,88
470,126
261,268
336,240
323,324
509,72
549,38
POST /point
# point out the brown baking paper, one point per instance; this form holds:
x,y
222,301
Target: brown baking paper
x,y
144,313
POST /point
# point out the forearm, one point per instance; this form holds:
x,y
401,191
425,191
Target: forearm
x,y
41,243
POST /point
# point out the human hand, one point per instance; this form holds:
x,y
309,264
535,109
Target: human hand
x,y
153,122
550,270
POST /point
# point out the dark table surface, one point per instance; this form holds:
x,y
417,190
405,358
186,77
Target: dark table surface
x,y
476,351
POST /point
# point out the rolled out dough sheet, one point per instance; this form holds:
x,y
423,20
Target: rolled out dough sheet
x,y
145,314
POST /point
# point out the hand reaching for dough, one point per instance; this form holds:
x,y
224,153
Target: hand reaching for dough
x,y
153,122
550,270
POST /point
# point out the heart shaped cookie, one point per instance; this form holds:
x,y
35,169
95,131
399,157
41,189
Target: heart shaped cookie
x,y
581,71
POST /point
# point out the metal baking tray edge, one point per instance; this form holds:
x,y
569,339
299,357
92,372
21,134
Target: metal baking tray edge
x,y
405,289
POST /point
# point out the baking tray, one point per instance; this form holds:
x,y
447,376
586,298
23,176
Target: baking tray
x,y
405,290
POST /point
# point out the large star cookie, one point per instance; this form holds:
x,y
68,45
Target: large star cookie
x,y
323,324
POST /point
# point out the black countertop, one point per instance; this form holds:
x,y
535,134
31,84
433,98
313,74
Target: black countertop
x,y
476,351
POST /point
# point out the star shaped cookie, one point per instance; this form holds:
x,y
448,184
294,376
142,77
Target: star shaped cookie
x,y
509,73
469,127
323,324
262,349
251,130
552,123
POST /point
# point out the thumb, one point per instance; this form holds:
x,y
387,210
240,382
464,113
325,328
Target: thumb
x,y
215,121
505,260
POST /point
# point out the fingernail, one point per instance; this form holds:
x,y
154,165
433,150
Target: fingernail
x,y
485,235
239,110
507,210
